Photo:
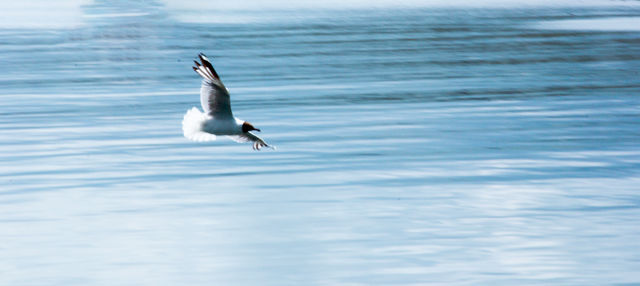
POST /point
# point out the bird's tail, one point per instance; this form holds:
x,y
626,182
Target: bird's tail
x,y
192,126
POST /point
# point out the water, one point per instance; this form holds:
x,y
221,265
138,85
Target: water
x,y
479,146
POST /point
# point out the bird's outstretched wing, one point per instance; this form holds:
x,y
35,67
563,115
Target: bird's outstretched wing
x,y
214,96
248,137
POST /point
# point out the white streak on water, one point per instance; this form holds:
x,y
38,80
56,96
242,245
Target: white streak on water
x,y
598,24
41,14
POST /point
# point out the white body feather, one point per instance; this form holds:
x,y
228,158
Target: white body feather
x,y
193,126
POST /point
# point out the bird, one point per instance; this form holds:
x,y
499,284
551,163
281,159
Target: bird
x,y
217,118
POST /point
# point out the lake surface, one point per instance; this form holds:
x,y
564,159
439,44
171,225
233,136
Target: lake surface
x,y
416,146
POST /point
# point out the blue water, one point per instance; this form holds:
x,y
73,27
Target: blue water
x,y
420,146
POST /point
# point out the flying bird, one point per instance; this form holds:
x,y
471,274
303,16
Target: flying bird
x,y
217,118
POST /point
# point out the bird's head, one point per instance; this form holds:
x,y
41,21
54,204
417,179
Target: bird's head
x,y
246,127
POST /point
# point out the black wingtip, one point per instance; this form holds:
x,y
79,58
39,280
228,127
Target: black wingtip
x,y
203,58
208,65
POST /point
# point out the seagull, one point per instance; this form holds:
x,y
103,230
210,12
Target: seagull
x,y
217,118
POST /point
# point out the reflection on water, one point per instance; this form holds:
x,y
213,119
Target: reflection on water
x,y
41,14
415,146
618,24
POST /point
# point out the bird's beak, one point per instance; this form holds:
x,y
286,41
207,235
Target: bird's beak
x,y
257,130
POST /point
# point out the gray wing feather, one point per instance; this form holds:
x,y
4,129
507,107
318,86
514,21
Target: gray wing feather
x,y
249,137
214,96
215,100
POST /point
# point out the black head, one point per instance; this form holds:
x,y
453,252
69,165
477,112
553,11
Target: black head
x,y
246,127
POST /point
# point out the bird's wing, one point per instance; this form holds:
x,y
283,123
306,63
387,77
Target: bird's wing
x,y
248,137
214,96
